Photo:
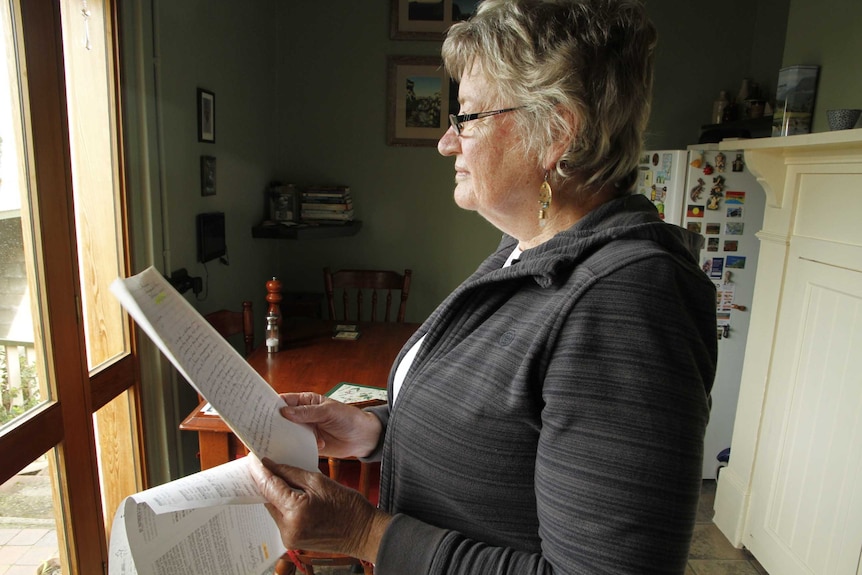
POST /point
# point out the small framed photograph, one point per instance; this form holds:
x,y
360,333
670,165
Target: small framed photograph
x,y
420,98
427,19
206,116
283,203
208,176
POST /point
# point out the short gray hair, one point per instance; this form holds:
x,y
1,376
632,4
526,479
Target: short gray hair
x,y
590,58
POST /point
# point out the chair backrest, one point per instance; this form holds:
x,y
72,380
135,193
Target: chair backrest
x,y
229,323
358,283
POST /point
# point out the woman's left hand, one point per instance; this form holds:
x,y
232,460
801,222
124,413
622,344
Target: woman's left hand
x,y
315,513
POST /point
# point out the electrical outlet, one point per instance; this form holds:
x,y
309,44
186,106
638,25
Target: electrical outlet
x,y
181,281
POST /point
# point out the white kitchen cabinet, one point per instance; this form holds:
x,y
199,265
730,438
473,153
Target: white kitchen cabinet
x,y
792,493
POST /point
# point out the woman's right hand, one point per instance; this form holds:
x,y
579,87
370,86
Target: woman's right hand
x,y
342,430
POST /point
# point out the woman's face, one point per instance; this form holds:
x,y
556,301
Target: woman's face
x,y
492,175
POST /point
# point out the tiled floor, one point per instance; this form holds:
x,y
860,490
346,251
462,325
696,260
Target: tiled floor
x,y
711,553
27,530
23,550
23,547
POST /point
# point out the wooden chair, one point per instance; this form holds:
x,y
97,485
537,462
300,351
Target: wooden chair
x,y
230,323
359,282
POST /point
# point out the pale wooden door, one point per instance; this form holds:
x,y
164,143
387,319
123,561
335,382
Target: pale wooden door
x,y
806,506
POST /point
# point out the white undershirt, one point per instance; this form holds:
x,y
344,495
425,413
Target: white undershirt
x,y
407,360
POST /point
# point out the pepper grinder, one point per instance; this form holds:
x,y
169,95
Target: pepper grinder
x,y
273,296
273,315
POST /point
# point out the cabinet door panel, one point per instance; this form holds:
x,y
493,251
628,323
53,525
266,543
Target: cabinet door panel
x,y
806,507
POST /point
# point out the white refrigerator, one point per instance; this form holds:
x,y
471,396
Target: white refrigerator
x,y
712,193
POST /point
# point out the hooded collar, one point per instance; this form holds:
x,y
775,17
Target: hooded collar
x,y
626,218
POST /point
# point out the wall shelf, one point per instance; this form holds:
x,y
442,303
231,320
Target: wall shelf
x,y
749,128
303,231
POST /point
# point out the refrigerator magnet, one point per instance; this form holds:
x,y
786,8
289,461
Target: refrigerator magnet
x,y
647,179
697,190
736,262
716,268
734,212
724,296
667,163
734,198
714,200
734,228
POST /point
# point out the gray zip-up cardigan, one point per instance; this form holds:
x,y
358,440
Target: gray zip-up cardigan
x,y
553,419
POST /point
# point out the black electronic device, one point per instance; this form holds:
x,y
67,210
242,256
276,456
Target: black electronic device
x,y
211,242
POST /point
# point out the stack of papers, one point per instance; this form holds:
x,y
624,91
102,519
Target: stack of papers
x,y
212,522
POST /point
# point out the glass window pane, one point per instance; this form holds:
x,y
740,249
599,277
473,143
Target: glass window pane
x,y
22,381
30,509
88,57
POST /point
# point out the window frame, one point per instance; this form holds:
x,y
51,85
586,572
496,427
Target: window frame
x,y
67,421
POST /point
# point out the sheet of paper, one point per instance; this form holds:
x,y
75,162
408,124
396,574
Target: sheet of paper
x,y
208,410
227,484
214,521
211,522
216,370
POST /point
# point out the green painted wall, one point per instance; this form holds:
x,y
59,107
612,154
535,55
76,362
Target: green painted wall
x,y
204,44
827,34
333,117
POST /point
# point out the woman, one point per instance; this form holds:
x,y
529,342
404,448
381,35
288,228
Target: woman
x,y
549,416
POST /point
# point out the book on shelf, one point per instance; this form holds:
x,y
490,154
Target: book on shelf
x,y
213,521
345,215
322,195
328,206
326,200
317,220
327,187
326,191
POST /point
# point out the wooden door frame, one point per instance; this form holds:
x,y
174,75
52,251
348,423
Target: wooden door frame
x,y
67,421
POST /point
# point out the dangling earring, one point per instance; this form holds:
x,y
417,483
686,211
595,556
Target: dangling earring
x,y
545,196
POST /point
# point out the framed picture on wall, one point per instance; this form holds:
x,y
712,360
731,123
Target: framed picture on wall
x,y
208,176
426,19
206,116
418,100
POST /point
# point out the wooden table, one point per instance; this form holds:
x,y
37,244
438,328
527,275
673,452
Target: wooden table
x,y
309,360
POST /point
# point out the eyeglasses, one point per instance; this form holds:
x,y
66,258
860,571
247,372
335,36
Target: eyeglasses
x,y
457,121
